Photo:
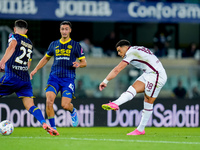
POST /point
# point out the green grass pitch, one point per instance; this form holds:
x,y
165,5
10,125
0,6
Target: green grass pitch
x,y
102,138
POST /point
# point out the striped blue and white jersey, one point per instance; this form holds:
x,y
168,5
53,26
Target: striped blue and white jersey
x,y
65,53
17,65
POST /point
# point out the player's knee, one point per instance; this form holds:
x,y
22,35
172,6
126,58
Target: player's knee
x,y
149,99
66,106
28,102
50,102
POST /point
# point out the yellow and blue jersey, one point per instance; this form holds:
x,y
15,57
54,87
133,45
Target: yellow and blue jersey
x,y
65,53
17,65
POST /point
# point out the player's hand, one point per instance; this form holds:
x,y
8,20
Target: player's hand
x,y
32,74
76,64
102,86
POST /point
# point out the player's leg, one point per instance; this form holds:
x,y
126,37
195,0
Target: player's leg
x,y
146,114
137,87
36,112
24,91
50,98
149,82
52,90
26,94
67,91
67,105
153,85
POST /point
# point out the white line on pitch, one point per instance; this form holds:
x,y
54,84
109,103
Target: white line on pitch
x,y
106,140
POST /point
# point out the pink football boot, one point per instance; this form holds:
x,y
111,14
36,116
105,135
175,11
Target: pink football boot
x,y
50,130
110,106
136,132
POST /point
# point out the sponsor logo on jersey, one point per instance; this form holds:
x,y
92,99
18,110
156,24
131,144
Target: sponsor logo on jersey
x,y
62,58
63,52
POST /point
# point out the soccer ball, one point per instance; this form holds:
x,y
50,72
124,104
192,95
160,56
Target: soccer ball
x,y
6,127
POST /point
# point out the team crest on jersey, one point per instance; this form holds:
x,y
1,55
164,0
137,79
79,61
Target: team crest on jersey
x,y
69,47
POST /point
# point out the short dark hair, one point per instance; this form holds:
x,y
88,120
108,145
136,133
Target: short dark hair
x,y
123,43
21,24
66,23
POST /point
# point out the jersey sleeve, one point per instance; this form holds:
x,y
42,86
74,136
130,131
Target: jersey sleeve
x,y
80,53
128,58
50,50
11,37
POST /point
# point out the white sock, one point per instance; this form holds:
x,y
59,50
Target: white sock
x,y
126,96
146,114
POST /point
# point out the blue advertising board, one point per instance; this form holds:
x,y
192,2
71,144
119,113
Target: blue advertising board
x,y
102,11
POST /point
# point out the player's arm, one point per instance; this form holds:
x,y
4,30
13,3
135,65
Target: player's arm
x,y
81,64
29,64
112,74
9,52
41,64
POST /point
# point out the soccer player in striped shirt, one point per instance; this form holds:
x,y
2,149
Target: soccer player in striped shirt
x,y
62,75
15,63
150,82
